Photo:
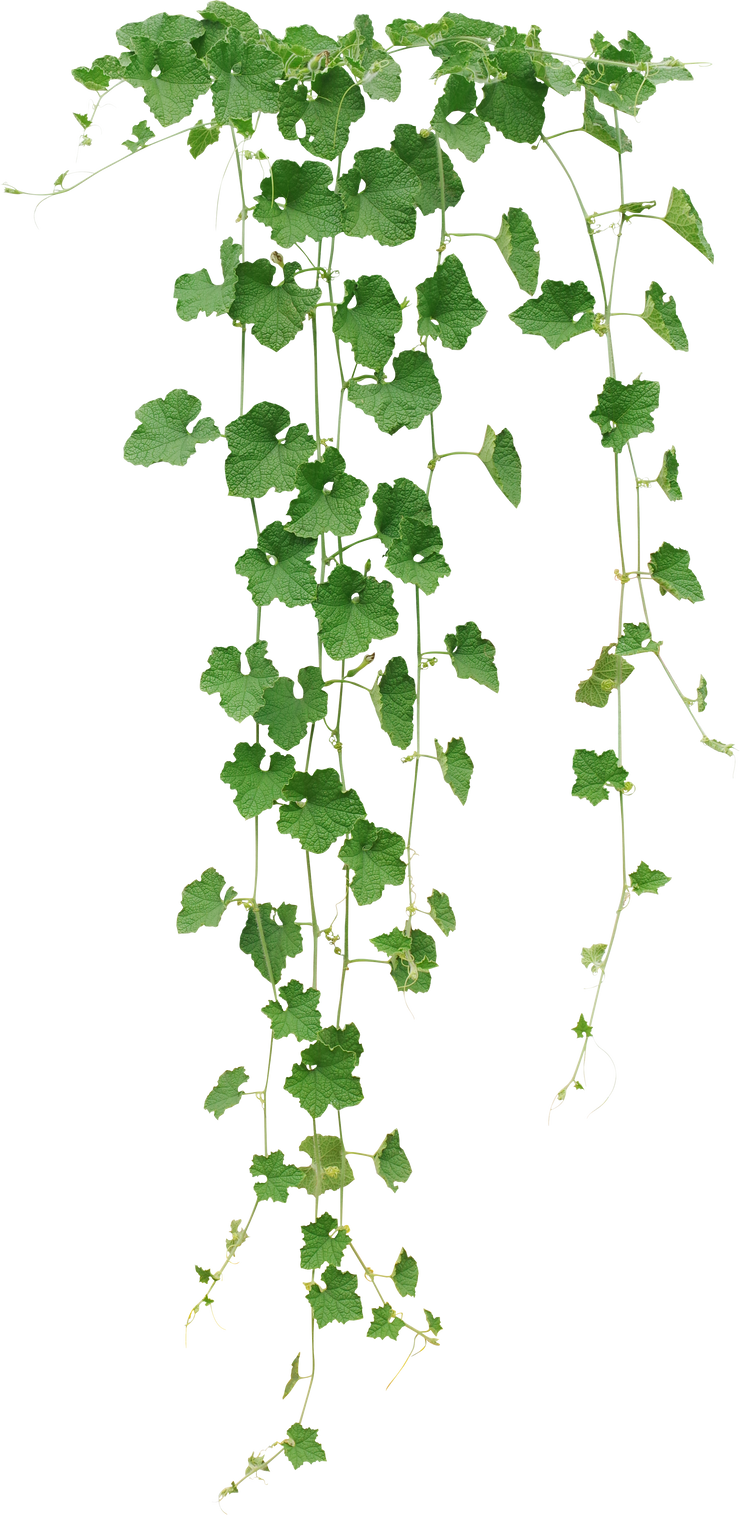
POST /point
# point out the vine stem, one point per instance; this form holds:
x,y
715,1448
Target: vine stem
x,y
370,1275
314,922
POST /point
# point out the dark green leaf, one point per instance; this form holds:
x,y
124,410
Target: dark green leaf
x,y
396,501
287,719
243,78
329,1166
393,695
196,292
514,105
592,957
669,567
668,476
617,87
319,810
434,1323
371,324
517,241
405,1273
257,788
317,509
411,958
309,207
168,71
660,315
447,306
415,557
562,311
352,611
623,410
163,435
202,904
328,117
324,1076
279,1176
634,637
303,1446
683,217
386,208
605,675
596,125
468,135
226,1092
338,1300
294,1377
275,312
258,461
391,1162
374,855
596,772
282,939
347,1038
420,153
205,1275
277,568
241,694
582,1027
404,401
301,1019
319,1245
385,1323
441,912
457,767
646,880
472,655
200,137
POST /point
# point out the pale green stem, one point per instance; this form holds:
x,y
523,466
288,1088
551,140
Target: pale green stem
x,y
314,922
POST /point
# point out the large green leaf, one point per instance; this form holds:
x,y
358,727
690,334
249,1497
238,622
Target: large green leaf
x,y
660,315
596,125
391,1161
257,460
683,217
257,788
374,856
316,508
385,1323
320,1245
337,1300
197,292
396,502
386,208
318,810
202,904
277,569
468,135
457,767
500,457
472,655
352,611
243,78
327,117
226,1092
324,1076
596,773
414,556
163,435
301,1019
616,86
282,936
517,242
406,400
623,411
274,312
241,694
669,567
562,311
168,71
636,638
605,675
515,104
393,695
279,1176
371,324
287,718
420,153
447,306
296,202
329,1169
303,1446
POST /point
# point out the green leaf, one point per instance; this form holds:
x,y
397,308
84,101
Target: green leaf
x,y
202,904
338,1300
196,292
447,306
634,637
319,1245
243,78
669,567
391,1162
618,87
301,1019
277,568
374,855
468,135
329,1166
393,695
304,1446
99,75
592,957
241,694
294,1376
282,939
517,242
582,1027
163,435
441,912
499,455
420,153
596,772
515,104
319,810
309,207
411,34
562,311
405,1273
668,476
205,1275
287,719
141,134
394,502
646,880
604,677
623,410
257,789
385,1323
168,71
371,324
716,746
328,117
683,217
434,1323
159,28
352,611
412,962
274,312
201,136
557,75
386,208
317,509
404,401
660,315
324,1076
457,767
472,655
596,125
415,557
258,461
279,1175
226,1092
701,694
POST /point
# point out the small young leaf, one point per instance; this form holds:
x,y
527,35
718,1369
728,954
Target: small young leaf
x,y
258,461
301,1019
468,135
374,855
596,125
405,400
279,1176
668,476
391,1162
514,103
163,435
352,611
592,957
371,324
457,767
393,695
404,499
337,1300
623,411
405,1273
226,1092
202,904
205,1275
517,242
277,568
310,208
582,1027
415,557
329,1167
726,747
646,880
241,694
447,306
660,315
200,137
282,939
384,1323
636,639
317,509
303,1446
294,1376
701,694
596,772
287,719
274,312
472,655
499,455
411,959
318,810
257,788
324,1076
683,217
669,567
441,912
434,1323
141,134
196,292
420,153
386,208
605,675
562,311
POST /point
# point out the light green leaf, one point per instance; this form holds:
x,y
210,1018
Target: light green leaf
x,y
324,1076
141,134
669,567
668,476
468,135
636,638
226,1092
701,694
320,1245
328,117
163,435
243,78
294,1376
562,311
308,208
592,957
517,242
405,1273
558,76
447,306
499,455
337,1300
420,153
393,695
303,1446
196,292
202,904
301,1019
352,611
258,461
201,136
159,29
716,746
241,694
257,789
582,1027
660,315
514,104
618,87
386,208
374,855
317,509
318,810
472,655
100,73
371,324
441,912
404,401
596,772
279,1177
329,1167
457,767
683,217
282,939
411,958
411,34
396,501
434,1323
277,568
275,312
646,880
623,411
415,557
604,677
168,72
596,125
385,1323
287,719
391,1162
